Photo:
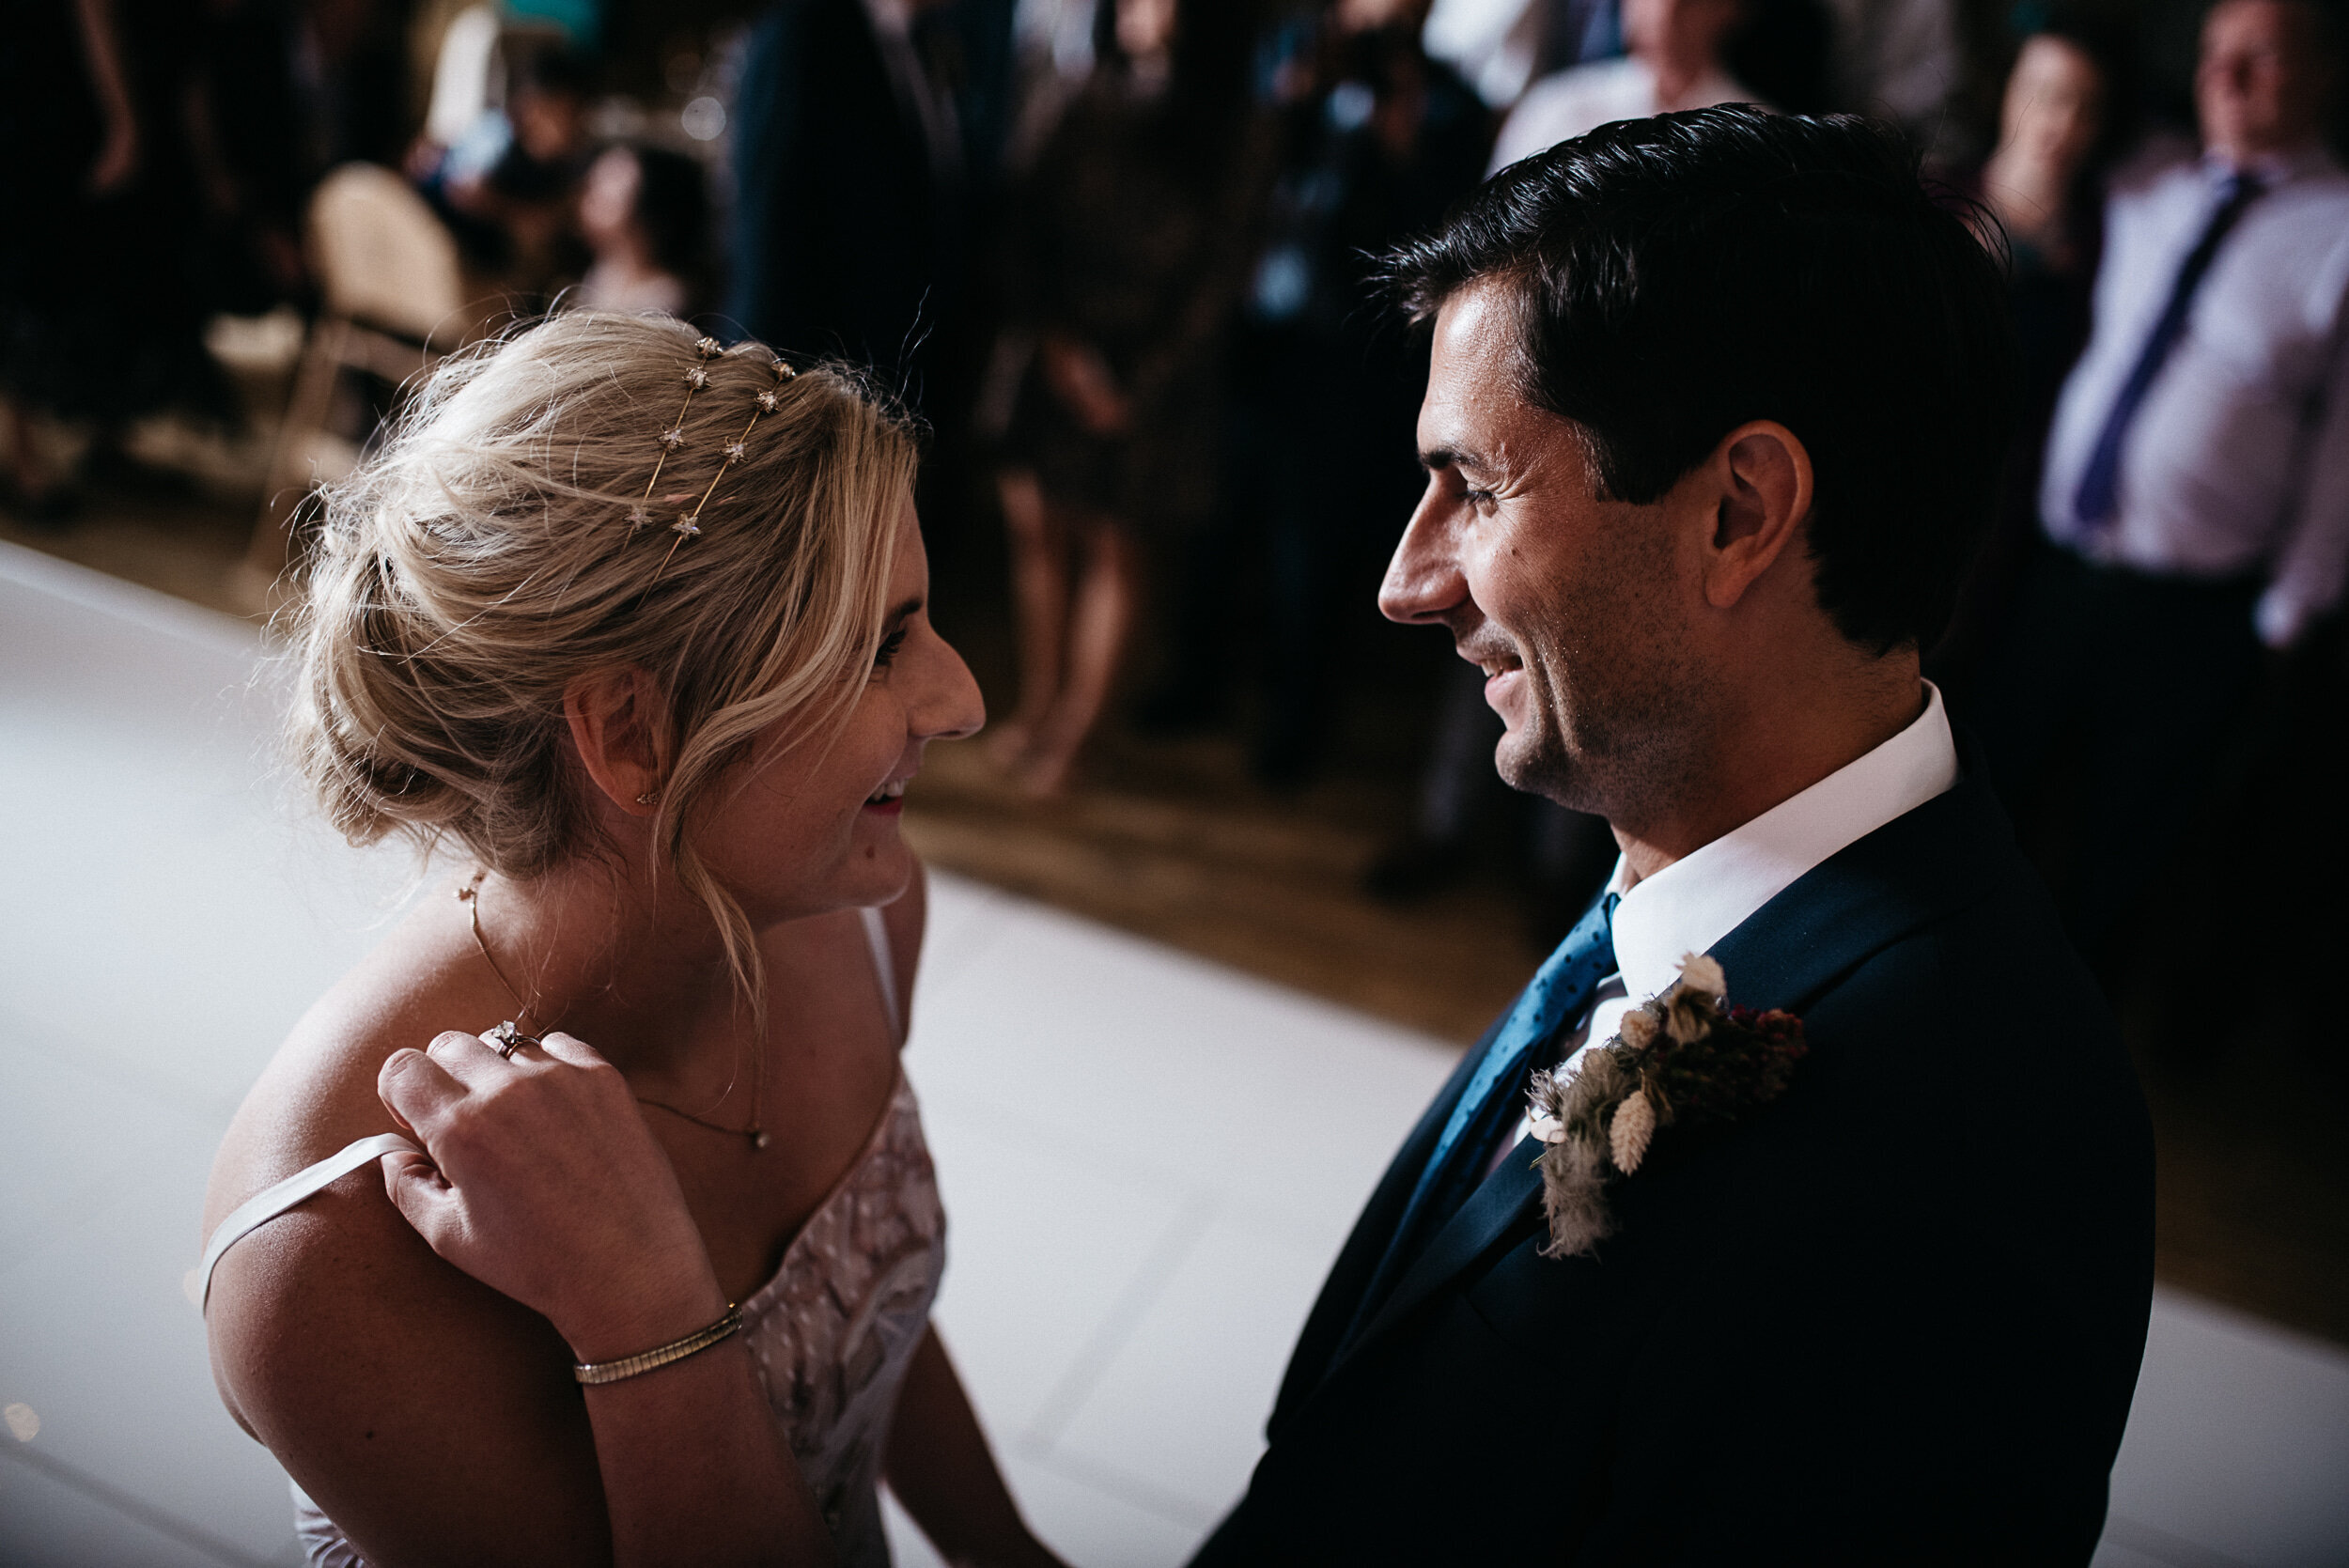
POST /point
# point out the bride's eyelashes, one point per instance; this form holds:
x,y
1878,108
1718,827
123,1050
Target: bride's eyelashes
x,y
887,652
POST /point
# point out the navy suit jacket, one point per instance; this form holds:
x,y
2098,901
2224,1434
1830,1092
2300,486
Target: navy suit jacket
x,y
1894,1317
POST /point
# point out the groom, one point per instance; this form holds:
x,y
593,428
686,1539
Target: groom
x,y
1715,414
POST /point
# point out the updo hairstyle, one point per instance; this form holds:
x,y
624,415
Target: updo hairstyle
x,y
487,556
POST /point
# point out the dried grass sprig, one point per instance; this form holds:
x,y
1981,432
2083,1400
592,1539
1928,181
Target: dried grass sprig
x,y
1682,1057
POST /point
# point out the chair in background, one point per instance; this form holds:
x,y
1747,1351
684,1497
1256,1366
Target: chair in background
x,y
393,301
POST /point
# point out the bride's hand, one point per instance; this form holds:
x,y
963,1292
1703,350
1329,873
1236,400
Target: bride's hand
x,y
542,1180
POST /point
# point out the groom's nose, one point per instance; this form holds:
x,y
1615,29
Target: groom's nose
x,y
1423,582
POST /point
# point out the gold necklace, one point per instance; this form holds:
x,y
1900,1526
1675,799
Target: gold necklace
x,y
469,895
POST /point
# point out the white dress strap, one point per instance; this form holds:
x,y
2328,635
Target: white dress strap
x,y
884,970
262,1207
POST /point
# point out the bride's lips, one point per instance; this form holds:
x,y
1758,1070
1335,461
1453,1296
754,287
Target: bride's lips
x,y
889,799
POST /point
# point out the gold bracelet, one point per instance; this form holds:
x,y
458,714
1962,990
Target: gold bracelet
x,y
660,1356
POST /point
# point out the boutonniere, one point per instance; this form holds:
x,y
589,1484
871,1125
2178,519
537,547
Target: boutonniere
x,y
1684,1057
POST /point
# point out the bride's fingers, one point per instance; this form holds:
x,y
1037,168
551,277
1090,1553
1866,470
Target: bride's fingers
x,y
421,1193
416,1087
570,1049
472,1060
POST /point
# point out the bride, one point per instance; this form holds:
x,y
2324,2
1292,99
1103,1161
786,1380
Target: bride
x,y
637,627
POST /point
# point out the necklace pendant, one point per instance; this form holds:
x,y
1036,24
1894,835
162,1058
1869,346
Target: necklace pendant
x,y
758,1139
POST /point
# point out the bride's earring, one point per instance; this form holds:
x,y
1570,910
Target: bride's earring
x,y
650,797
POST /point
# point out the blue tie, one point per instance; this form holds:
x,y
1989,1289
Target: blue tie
x,y
1558,992
2099,495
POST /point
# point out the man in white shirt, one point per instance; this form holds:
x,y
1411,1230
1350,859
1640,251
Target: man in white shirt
x,y
1674,63
1713,421
2196,491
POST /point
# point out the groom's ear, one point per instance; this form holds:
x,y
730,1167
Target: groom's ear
x,y
620,722
1759,483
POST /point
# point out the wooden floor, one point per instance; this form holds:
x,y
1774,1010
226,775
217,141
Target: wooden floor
x,y
1173,841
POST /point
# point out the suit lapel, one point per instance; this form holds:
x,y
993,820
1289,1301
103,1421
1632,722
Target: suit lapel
x,y
1509,1197
1341,1295
1919,867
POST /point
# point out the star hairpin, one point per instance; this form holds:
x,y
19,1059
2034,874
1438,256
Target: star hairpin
x,y
673,437
688,524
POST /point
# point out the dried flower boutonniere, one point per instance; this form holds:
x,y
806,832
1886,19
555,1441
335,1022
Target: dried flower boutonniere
x,y
1682,1058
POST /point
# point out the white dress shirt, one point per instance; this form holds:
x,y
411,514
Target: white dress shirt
x,y
2237,462
1707,893
1581,99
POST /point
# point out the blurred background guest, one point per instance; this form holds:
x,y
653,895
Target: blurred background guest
x,y
1372,141
351,75
849,220
2062,114
644,215
2196,491
244,117
507,189
1500,46
1900,60
1676,62
2065,113
1126,246
122,215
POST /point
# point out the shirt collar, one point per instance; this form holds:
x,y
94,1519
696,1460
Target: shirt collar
x,y
2272,169
1705,895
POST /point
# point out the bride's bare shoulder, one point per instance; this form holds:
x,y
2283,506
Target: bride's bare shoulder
x,y
316,1094
344,1255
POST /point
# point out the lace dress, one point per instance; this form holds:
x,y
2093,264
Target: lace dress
x,y
831,1333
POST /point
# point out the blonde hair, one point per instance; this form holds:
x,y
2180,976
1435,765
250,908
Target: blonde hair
x,y
486,557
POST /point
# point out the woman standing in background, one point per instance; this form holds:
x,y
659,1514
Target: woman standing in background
x,y
2062,120
1128,243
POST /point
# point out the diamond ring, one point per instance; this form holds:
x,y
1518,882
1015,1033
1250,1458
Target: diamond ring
x,y
505,1039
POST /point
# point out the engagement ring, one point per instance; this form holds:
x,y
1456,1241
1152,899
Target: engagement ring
x,y
505,1039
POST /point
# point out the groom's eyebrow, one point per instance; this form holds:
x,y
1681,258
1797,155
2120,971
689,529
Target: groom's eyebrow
x,y
1436,458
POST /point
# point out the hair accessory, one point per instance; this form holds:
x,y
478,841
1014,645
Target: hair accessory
x,y
769,399
673,437
660,1356
689,522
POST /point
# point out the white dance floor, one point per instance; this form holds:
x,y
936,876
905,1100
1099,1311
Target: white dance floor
x,y
1148,1160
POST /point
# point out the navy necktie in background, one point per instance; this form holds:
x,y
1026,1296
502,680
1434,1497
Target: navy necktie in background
x,y
1557,995
2098,497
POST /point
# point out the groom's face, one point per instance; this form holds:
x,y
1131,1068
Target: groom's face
x,y
1570,603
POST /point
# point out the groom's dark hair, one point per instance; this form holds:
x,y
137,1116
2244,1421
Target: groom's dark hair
x,y
1678,276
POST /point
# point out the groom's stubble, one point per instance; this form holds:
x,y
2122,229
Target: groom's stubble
x,y
1619,715
1519,550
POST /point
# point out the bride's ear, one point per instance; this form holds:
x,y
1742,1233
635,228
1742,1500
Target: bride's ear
x,y
620,727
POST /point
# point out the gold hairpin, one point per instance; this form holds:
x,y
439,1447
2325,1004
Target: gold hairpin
x,y
673,437
689,522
